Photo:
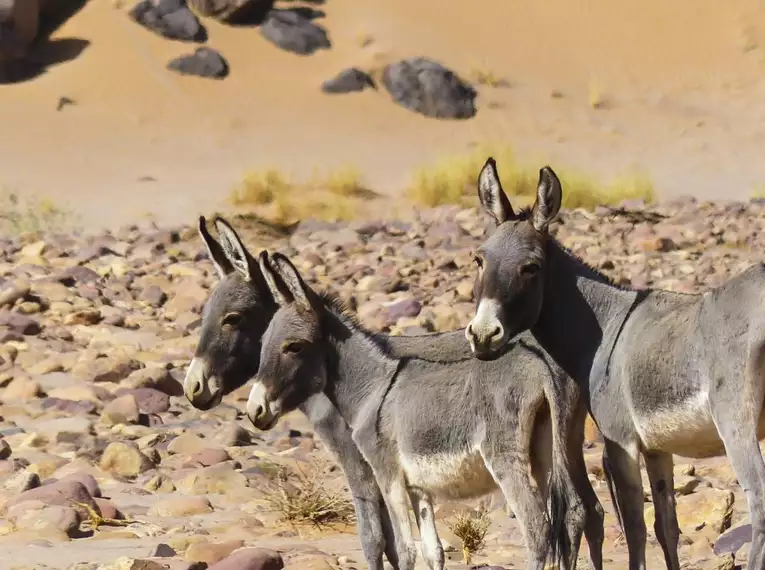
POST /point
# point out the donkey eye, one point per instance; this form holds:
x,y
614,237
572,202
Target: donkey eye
x,y
293,347
232,319
530,269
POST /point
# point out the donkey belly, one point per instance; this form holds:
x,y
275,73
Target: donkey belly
x,y
687,430
448,475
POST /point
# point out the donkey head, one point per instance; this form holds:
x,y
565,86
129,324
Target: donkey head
x,y
292,367
234,319
509,286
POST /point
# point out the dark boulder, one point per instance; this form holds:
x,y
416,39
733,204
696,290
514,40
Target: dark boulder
x,y
292,31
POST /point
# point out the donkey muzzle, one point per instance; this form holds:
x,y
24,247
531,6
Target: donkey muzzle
x,y
203,392
260,410
485,332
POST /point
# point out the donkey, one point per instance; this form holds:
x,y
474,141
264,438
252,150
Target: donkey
x,y
427,428
663,373
227,356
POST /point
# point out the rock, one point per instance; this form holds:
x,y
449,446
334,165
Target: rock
x,y
685,485
207,457
234,435
5,449
708,509
149,400
85,479
393,311
125,460
348,81
724,562
126,563
21,389
19,21
426,87
159,484
47,519
169,18
163,550
250,559
156,377
204,62
229,11
220,479
106,369
732,541
61,493
211,552
71,407
187,444
291,31
21,324
21,482
181,507
121,410
63,430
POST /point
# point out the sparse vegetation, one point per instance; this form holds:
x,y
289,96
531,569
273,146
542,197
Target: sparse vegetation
x,y
29,214
595,95
471,528
303,499
453,181
334,196
486,77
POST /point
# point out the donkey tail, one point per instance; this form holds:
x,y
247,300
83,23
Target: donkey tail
x,y
558,540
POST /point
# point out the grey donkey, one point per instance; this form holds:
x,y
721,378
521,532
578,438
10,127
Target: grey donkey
x,y
663,373
235,316
433,429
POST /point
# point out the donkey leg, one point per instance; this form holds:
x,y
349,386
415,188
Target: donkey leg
x,y
625,468
742,448
593,529
510,469
375,530
432,551
660,474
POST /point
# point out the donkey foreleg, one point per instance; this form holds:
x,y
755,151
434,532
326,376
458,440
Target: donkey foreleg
x,y
625,470
432,551
375,530
660,474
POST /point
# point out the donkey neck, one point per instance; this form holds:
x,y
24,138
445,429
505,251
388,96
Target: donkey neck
x,y
359,369
582,314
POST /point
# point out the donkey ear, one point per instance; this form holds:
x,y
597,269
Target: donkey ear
x,y
549,197
301,293
214,250
237,254
491,194
274,282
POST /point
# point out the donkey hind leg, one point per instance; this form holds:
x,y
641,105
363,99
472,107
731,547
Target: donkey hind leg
x,y
594,517
625,469
660,474
430,544
737,425
510,469
398,502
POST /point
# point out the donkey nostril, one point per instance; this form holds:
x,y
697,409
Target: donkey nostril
x,y
257,413
470,329
197,388
496,332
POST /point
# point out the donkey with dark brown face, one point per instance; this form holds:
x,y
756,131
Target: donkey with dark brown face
x,y
663,373
428,429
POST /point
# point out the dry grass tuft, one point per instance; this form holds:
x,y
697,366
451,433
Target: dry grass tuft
x,y
21,215
303,499
453,181
486,77
595,95
335,196
471,528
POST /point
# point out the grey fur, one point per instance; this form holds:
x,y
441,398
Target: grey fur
x,y
663,373
429,428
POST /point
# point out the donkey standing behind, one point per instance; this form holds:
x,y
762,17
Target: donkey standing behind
x,y
428,429
664,373
234,319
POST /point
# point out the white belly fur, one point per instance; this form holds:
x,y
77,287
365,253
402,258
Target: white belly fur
x,y
446,475
688,430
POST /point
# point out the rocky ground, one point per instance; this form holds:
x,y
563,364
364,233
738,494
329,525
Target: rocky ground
x,y
104,464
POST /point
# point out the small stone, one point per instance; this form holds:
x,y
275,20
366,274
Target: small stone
x,y
121,410
125,460
348,81
21,324
291,31
204,62
211,552
250,559
207,457
181,507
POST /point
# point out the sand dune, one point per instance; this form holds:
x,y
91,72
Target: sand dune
x,y
682,83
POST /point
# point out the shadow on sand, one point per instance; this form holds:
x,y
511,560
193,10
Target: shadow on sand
x,y
46,52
